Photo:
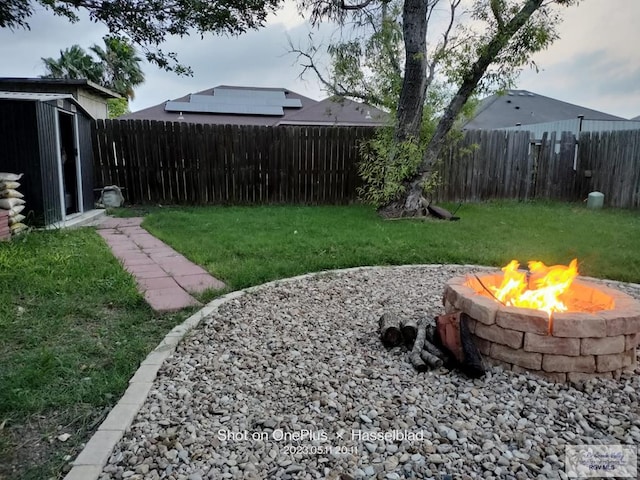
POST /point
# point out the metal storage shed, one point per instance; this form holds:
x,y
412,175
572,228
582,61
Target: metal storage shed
x,y
47,136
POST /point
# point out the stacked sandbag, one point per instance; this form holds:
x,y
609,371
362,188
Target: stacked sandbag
x,y
12,201
5,231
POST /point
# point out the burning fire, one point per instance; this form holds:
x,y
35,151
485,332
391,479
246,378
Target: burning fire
x,y
539,288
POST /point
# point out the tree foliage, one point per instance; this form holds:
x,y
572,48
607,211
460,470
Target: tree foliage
x,y
442,53
74,62
148,23
116,67
117,107
120,64
365,60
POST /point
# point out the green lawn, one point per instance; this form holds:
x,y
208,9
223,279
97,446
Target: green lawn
x,y
73,328
250,245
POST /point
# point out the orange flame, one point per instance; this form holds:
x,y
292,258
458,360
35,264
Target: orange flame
x,y
540,288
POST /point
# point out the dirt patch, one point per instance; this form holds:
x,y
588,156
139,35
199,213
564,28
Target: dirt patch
x,y
32,448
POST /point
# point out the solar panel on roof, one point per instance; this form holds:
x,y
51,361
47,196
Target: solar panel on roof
x,y
230,100
237,101
292,103
223,108
242,92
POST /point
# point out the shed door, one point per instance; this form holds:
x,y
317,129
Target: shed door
x,y
70,166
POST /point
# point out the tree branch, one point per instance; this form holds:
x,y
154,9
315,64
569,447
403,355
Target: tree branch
x,y
496,7
394,59
470,80
359,6
446,37
333,88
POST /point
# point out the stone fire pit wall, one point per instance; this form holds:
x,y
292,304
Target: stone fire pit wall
x,y
578,345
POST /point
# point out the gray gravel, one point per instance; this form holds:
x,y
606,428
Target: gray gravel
x,y
303,359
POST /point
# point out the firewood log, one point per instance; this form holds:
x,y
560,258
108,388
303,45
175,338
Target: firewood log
x,y
473,365
390,332
409,329
436,351
415,356
430,359
453,336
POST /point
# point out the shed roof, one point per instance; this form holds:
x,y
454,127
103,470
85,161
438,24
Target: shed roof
x,y
57,82
43,97
36,96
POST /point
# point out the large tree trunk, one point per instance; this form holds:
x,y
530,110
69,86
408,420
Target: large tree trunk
x,y
412,95
412,199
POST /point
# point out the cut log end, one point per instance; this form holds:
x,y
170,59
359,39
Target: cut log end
x,y
390,332
409,329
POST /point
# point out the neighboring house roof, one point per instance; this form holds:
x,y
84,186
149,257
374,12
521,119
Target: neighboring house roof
x,y
343,111
231,105
522,107
636,119
28,84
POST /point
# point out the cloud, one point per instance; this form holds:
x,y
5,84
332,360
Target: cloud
x,y
595,63
22,50
595,79
257,58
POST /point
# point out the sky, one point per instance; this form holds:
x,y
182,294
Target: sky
x,y
595,63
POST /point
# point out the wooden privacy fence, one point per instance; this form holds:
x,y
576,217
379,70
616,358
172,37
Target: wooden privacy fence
x,y
181,163
487,165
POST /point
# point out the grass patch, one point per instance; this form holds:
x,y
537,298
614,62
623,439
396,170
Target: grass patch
x,y
73,329
246,246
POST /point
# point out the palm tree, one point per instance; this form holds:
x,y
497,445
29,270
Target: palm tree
x,y
121,66
74,62
117,68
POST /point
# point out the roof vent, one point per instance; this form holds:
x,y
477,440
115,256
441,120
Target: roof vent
x,y
522,94
510,94
530,94
517,107
508,101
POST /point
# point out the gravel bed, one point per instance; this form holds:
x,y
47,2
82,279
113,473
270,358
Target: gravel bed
x,y
291,382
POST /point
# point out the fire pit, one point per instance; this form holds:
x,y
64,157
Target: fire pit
x,y
596,335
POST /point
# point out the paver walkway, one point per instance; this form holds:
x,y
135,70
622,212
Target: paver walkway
x,y
164,276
